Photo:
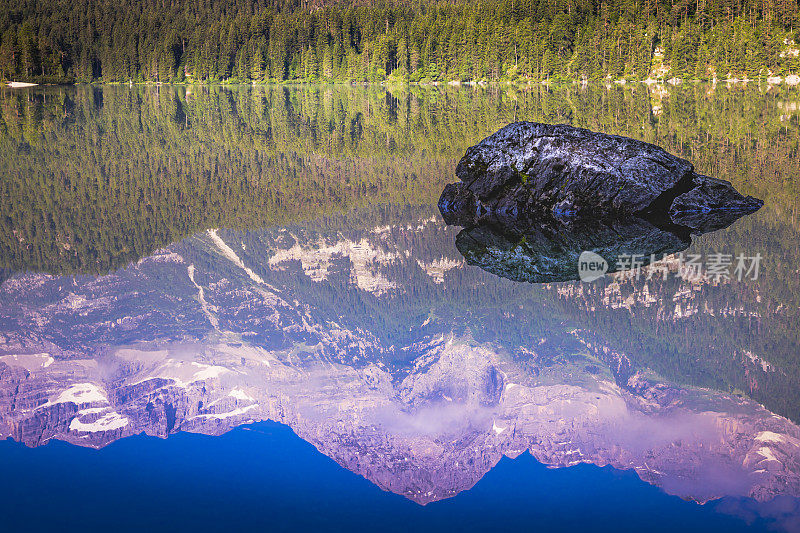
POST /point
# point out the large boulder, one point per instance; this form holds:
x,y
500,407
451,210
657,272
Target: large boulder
x,y
534,170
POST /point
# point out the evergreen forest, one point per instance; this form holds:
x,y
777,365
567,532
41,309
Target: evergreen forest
x,y
425,41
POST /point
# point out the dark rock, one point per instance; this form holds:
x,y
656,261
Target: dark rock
x,y
533,197
458,205
534,170
711,204
544,253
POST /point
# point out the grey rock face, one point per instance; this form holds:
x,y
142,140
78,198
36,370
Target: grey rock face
x,y
428,435
91,361
534,170
709,205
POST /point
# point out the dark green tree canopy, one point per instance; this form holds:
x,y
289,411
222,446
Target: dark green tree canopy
x,y
415,40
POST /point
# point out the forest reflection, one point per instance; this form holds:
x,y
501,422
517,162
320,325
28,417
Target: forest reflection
x,y
97,177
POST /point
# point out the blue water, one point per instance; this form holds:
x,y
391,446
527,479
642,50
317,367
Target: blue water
x,y
264,477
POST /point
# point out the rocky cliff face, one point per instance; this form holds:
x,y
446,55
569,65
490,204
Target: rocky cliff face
x,y
427,436
228,328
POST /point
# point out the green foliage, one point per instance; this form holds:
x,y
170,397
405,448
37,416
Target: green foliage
x,y
425,40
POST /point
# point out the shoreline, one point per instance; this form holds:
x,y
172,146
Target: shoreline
x,y
791,80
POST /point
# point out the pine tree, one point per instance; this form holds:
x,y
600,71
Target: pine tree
x,y
257,63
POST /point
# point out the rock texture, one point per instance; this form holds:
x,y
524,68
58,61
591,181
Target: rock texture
x,y
533,197
544,253
427,435
535,171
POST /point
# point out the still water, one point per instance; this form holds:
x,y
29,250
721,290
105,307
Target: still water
x,y
261,276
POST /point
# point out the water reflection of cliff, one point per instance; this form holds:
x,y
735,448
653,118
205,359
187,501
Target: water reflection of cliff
x,y
380,347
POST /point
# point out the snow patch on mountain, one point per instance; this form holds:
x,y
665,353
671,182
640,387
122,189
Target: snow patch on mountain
x,y
80,394
30,362
316,260
107,422
436,269
202,299
228,252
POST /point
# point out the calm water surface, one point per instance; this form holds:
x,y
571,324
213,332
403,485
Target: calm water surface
x,y
261,277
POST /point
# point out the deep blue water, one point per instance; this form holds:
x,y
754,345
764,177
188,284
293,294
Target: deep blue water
x,y
264,477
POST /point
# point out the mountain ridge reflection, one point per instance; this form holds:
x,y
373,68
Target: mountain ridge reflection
x,y
378,346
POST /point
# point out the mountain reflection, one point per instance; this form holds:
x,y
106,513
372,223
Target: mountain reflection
x,y
381,347
352,316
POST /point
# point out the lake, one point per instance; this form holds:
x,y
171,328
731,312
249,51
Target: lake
x,y
240,307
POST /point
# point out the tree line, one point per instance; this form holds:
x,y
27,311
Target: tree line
x,y
403,40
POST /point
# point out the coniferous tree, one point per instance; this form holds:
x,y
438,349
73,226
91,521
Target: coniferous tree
x,y
169,40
